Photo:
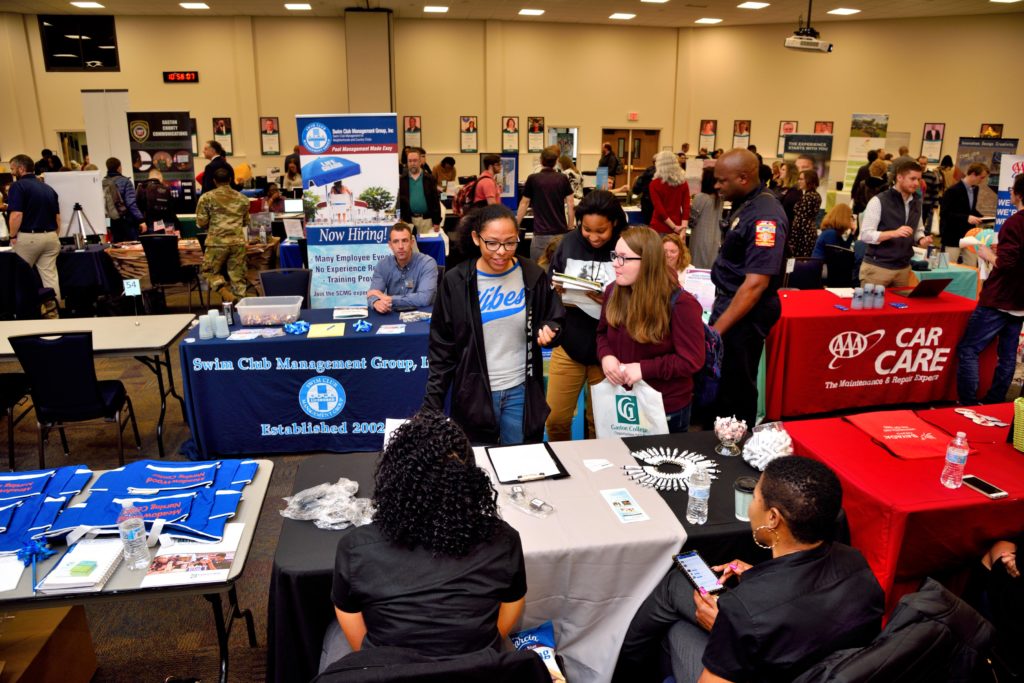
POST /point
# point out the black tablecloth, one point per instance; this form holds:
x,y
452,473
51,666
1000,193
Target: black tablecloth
x,y
300,606
723,537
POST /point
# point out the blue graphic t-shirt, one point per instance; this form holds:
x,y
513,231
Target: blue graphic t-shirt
x,y
503,314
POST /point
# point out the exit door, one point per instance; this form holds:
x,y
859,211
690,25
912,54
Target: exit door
x,y
635,148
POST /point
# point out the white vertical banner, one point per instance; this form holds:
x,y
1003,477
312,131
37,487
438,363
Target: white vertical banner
x,y
350,172
867,132
106,126
1010,167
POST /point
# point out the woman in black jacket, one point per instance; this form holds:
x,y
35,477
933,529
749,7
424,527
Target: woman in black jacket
x,y
582,253
492,315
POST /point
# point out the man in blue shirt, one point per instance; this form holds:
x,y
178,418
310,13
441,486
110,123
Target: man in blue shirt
x,y
34,220
406,279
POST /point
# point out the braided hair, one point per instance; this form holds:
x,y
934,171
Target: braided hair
x,y
429,491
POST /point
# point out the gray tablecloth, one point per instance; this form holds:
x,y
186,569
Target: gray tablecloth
x,y
586,571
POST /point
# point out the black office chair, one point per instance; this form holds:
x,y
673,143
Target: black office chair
x,y
64,388
806,274
286,282
839,266
13,388
22,295
398,665
304,250
165,269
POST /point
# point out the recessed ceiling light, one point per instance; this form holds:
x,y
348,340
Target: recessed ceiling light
x,y
107,47
194,5
655,2
622,16
435,9
67,55
753,5
87,5
298,6
531,12
1003,2
708,20
844,11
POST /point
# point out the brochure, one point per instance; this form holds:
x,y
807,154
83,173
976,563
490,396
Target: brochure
x,y
391,329
188,562
350,312
624,506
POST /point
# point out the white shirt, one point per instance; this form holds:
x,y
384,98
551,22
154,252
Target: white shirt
x,y
869,232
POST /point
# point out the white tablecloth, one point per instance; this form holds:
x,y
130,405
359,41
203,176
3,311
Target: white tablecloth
x,y
586,571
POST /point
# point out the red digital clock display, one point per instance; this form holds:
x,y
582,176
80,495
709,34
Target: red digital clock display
x,y
181,77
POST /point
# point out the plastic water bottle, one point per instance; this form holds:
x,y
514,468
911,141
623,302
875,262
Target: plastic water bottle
x,y
879,296
869,295
956,458
699,484
858,299
263,235
133,536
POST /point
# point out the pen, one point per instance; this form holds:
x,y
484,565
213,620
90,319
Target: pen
x,y
329,328
531,477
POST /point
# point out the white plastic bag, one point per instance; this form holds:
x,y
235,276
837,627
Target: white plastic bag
x,y
619,411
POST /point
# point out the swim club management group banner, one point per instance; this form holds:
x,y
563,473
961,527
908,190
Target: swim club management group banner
x,y
350,169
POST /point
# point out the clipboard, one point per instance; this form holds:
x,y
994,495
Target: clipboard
x,y
526,462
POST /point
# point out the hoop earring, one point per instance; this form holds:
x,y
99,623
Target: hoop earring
x,y
761,545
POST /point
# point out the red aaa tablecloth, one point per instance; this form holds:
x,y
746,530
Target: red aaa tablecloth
x,y
902,519
822,359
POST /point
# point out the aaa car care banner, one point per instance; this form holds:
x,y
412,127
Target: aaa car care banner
x,y
821,359
867,132
162,140
350,173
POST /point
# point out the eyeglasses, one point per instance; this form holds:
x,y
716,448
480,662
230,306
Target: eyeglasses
x,y
620,259
491,245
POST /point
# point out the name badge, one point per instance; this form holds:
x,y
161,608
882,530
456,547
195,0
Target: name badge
x,y
764,234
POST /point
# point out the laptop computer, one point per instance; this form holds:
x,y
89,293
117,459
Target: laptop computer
x,y
924,288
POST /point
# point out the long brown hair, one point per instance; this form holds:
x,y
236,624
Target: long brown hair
x,y
643,306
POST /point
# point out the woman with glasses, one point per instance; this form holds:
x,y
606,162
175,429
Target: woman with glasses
x,y
650,329
492,314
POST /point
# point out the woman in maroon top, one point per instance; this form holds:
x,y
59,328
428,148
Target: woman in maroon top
x,y
650,329
670,196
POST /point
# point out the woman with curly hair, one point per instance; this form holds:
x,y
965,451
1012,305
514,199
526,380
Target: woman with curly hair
x,y
438,571
677,256
670,195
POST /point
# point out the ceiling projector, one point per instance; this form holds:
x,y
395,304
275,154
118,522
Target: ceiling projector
x,y
799,42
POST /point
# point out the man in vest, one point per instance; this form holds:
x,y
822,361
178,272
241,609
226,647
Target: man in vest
x,y
891,226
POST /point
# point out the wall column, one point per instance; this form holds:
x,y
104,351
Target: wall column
x,y
369,51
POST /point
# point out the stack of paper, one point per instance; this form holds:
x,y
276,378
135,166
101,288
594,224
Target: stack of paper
x,y
350,312
576,292
578,283
85,568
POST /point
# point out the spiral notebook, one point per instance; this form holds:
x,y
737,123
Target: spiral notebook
x,y
85,568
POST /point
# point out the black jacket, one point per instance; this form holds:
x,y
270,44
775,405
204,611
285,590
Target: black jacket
x,y
575,256
956,209
458,360
429,192
215,163
859,203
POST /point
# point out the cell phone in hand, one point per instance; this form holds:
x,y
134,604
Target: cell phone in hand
x,y
698,572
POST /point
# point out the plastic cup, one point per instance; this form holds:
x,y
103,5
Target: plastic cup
x,y
205,327
744,491
220,327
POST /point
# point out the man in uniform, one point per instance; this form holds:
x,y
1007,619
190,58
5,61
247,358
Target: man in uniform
x,y
891,225
746,275
225,214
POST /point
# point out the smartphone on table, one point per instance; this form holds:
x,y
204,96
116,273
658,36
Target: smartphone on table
x,y
983,487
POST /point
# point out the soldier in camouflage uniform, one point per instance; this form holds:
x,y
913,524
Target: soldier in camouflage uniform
x,y
226,215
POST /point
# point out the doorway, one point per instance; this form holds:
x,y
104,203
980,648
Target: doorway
x,y
73,147
635,148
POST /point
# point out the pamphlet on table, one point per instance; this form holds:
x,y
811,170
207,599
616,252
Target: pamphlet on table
x,y
326,330
391,329
350,312
624,506
186,563
10,572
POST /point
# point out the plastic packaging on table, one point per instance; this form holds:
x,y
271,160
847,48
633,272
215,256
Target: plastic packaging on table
x,y
330,506
768,441
531,505
541,640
